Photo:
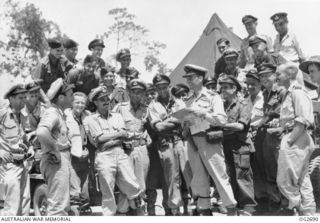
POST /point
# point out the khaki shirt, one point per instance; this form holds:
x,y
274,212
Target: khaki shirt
x,y
288,48
33,117
134,120
247,54
11,129
238,111
257,109
97,125
212,104
50,69
159,112
296,107
55,121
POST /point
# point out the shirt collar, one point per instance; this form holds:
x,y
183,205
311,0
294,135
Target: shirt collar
x,y
293,84
53,59
285,37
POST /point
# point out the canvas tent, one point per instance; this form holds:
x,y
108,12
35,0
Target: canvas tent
x,y
205,52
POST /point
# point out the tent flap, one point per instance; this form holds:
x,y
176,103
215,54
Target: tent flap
x,y
205,52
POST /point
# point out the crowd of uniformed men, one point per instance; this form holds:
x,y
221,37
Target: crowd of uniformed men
x,y
242,136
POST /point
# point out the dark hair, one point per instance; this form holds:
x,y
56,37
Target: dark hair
x,y
221,40
88,59
106,69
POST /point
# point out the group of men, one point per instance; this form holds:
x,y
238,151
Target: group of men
x,y
245,133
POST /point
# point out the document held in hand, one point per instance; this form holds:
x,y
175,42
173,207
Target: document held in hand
x,y
194,123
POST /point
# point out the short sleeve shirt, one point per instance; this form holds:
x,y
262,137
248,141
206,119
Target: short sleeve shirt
x,y
288,47
97,125
54,120
239,111
296,107
158,111
33,117
135,120
11,129
211,103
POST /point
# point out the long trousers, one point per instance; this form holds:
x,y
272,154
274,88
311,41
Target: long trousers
x,y
207,160
265,166
140,161
57,177
14,189
240,172
293,178
115,167
79,178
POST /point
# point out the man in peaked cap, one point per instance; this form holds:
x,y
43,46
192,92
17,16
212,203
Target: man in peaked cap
x,y
152,183
167,141
85,78
285,42
255,98
180,91
107,132
312,67
237,145
135,113
204,154
210,83
220,65
53,66
150,93
96,47
71,50
267,140
258,45
125,73
34,108
55,162
14,175
246,55
231,58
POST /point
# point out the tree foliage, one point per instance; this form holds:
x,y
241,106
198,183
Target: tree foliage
x,y
26,33
125,32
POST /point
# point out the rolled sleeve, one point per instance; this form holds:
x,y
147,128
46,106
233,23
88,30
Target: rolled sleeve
x,y
303,107
93,128
50,119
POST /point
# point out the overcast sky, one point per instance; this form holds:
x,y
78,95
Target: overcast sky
x,y
179,23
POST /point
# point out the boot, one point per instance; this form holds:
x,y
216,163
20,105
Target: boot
x,y
168,212
232,212
274,208
205,212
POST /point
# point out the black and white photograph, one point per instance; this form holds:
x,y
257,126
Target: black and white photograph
x,y
156,108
